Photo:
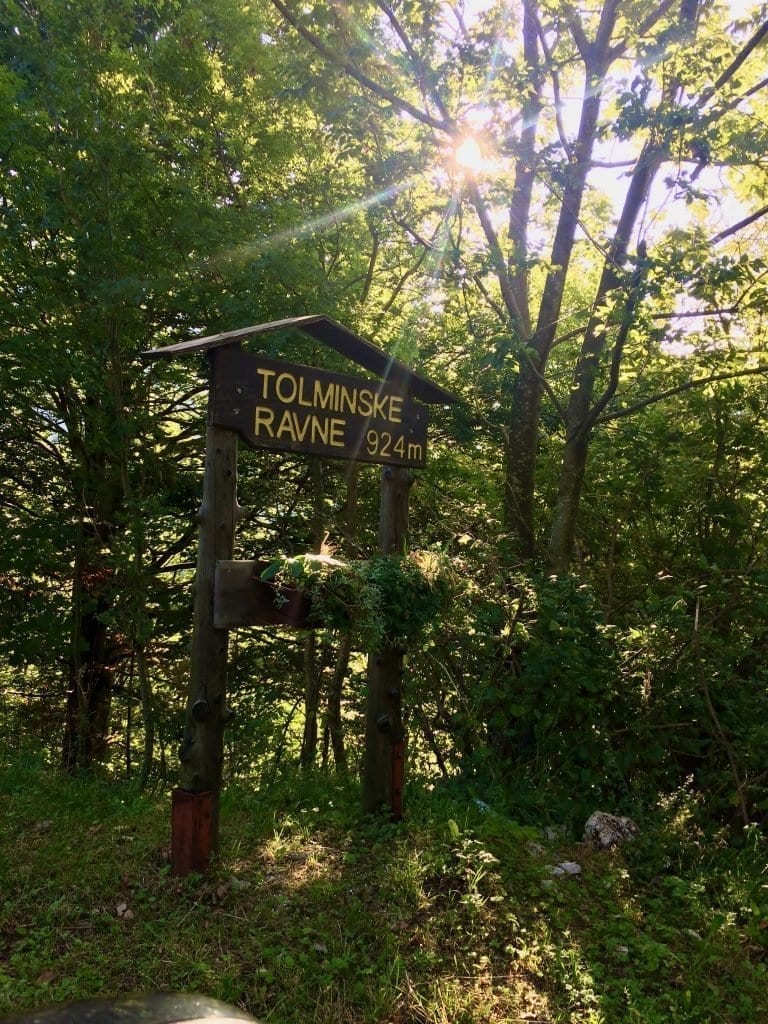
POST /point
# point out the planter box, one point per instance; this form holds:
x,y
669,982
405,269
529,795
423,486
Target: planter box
x,y
242,598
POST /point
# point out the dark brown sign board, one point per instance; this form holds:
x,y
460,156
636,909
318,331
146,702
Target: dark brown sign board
x,y
295,408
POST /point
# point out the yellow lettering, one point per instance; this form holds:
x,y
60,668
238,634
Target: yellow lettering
x,y
365,402
323,399
395,409
286,426
348,397
302,400
286,397
320,430
337,433
263,418
380,406
265,374
300,431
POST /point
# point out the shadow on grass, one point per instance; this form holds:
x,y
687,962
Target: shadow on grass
x,y
317,913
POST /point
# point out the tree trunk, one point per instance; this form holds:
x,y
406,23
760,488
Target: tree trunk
x,y
89,703
522,440
91,670
313,662
520,465
148,714
99,487
563,534
333,719
525,175
582,413
313,677
334,723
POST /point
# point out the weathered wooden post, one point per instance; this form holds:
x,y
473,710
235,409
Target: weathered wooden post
x,y
195,813
301,409
384,759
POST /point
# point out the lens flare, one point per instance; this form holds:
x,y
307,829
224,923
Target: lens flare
x,y
469,156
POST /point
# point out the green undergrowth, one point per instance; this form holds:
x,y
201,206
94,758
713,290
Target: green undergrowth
x,y
315,913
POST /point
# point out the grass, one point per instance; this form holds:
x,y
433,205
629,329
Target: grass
x,y
315,913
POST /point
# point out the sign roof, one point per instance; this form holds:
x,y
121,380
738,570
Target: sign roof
x,y
330,333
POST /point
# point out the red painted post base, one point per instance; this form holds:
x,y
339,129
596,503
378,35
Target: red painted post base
x,y
191,831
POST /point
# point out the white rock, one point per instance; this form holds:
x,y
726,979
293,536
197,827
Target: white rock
x,y
568,867
607,831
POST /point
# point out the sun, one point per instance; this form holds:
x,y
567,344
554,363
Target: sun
x,y
469,155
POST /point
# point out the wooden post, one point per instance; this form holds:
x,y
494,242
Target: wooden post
x,y
384,734
202,752
191,827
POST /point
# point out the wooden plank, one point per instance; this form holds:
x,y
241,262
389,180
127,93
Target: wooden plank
x,y
202,750
376,360
194,345
242,598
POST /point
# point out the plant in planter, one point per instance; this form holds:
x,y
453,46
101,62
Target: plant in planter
x,y
388,600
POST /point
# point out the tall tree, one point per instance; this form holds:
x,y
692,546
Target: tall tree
x,y
670,86
124,162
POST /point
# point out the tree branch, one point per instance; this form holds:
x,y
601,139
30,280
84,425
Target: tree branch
x,y
734,66
688,386
368,281
579,37
360,77
500,312
617,356
555,80
497,256
427,91
519,210
584,229
734,228
751,92
405,226
644,26
405,277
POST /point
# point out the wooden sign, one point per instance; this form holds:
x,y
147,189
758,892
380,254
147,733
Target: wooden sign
x,y
295,408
